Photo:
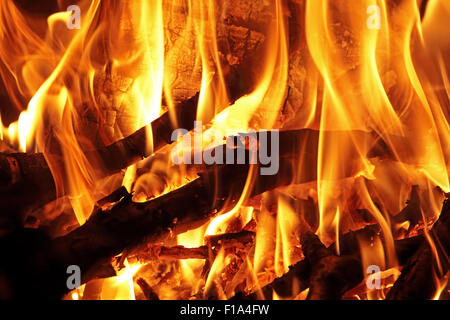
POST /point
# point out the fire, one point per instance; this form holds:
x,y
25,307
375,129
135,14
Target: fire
x,y
371,67
122,286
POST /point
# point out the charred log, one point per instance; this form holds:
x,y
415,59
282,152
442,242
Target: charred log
x,y
331,276
128,225
413,253
227,240
28,177
26,181
418,278
148,291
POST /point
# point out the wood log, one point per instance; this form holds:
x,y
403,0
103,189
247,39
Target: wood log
x,y
126,225
26,181
129,225
175,252
418,278
413,253
230,239
298,278
226,240
148,291
331,276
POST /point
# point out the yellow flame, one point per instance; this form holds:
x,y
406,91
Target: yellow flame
x,y
121,287
287,225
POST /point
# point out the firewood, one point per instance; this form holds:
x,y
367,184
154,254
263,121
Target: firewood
x,y
413,253
300,273
148,291
26,181
28,176
114,197
180,252
175,252
331,276
417,281
128,225
231,239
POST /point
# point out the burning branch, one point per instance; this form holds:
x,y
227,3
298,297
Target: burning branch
x,y
329,276
128,225
429,264
27,175
227,240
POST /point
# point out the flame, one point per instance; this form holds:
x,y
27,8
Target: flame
x,y
264,246
121,287
441,286
213,92
357,61
213,282
287,225
192,267
260,108
371,67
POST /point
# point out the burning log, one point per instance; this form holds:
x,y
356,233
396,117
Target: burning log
x,y
230,239
149,293
219,187
135,147
413,253
430,262
328,276
227,240
128,224
301,272
176,252
331,276
28,176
